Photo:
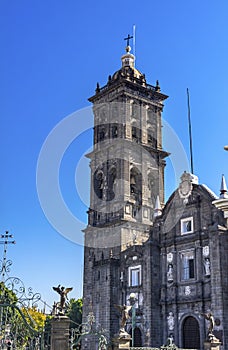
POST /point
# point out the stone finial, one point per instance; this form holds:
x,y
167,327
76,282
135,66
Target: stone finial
x,y
157,88
158,208
98,88
222,202
223,189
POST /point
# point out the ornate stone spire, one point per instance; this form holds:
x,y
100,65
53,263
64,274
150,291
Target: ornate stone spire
x,y
222,202
223,189
158,208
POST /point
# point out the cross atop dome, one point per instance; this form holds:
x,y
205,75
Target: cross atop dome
x,y
128,38
128,60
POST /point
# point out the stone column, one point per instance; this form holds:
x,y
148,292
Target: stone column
x,y
60,326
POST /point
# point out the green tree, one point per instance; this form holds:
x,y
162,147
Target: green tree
x,y
34,318
24,322
6,295
74,312
8,312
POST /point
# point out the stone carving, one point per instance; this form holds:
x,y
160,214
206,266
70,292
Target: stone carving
x,y
170,257
206,251
170,273
170,340
62,291
207,267
187,290
185,187
170,321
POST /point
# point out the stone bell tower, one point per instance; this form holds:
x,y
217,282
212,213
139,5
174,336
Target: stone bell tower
x,y
127,179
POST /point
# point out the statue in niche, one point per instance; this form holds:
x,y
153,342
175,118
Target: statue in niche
x,y
207,267
170,273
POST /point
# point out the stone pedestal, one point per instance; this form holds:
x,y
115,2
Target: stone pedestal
x,y
122,342
212,345
60,326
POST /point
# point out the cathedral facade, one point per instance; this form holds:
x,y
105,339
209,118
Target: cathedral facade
x,y
168,260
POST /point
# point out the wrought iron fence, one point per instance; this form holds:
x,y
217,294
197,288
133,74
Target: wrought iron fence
x,y
143,348
18,330
89,329
164,347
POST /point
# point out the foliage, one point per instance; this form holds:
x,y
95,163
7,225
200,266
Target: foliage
x,y
29,323
74,312
47,331
34,318
6,295
24,323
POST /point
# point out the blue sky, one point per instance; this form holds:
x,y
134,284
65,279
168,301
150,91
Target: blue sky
x,y
52,55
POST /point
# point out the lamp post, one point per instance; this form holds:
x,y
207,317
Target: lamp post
x,y
133,300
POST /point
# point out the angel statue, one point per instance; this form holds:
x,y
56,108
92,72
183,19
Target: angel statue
x,y
124,309
62,291
211,320
211,325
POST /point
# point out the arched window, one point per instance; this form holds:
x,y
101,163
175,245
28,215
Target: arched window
x,y
150,138
133,187
99,183
191,333
135,110
101,135
153,182
114,131
136,184
134,133
112,183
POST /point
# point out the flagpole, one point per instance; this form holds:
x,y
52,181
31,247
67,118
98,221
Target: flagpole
x,y
190,132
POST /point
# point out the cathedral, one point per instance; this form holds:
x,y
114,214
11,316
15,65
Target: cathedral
x,y
168,260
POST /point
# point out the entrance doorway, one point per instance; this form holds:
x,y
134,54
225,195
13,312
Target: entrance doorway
x,y
137,337
191,333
